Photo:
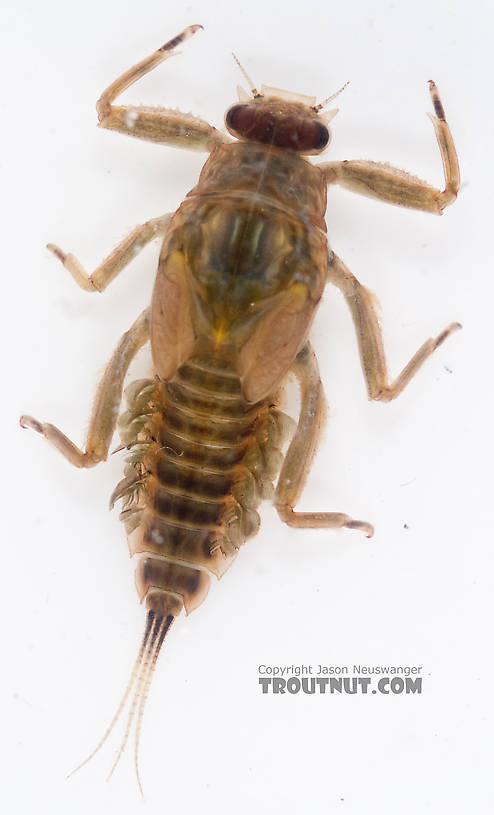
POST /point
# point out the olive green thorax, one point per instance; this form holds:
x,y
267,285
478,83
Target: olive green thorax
x,y
243,249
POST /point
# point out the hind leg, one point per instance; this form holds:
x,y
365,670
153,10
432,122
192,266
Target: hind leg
x,y
301,452
106,404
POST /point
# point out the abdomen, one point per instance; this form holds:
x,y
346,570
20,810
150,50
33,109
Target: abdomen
x,y
201,461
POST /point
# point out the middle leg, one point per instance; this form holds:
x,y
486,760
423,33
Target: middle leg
x,y
362,304
117,260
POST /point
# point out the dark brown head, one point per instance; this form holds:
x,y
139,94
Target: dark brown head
x,y
276,117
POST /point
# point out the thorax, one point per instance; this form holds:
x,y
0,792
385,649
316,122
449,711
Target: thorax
x,y
267,177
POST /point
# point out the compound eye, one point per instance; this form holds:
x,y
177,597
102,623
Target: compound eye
x,y
320,136
301,134
240,119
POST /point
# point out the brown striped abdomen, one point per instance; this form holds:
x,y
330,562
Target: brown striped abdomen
x,y
201,461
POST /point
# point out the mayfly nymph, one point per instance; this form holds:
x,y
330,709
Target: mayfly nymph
x,y
243,265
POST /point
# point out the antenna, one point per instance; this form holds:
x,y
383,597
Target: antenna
x,y
323,104
255,93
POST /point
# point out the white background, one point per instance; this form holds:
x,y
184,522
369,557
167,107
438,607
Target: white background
x,y
71,620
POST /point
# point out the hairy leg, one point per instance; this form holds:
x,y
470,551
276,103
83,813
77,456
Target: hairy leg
x,y
395,186
156,124
301,452
364,314
117,260
106,404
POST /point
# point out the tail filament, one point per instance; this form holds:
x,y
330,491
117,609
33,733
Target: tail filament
x,y
157,626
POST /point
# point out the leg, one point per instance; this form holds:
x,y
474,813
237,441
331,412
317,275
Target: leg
x,y
301,452
117,260
105,408
362,304
156,124
397,187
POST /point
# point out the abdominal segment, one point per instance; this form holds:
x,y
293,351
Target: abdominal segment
x,y
200,461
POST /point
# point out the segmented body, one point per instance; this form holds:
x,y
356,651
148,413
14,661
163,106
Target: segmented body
x,y
203,456
202,461
242,268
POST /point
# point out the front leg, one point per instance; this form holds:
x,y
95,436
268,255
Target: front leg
x,y
396,186
106,404
156,124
